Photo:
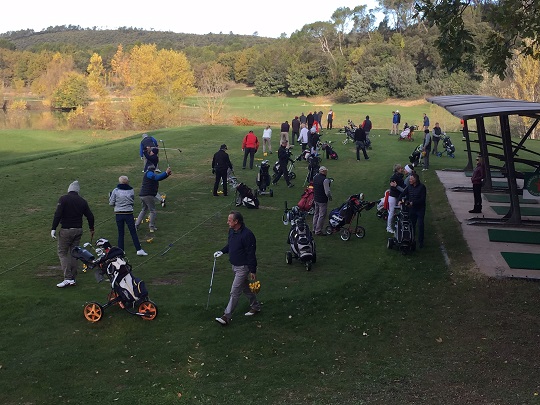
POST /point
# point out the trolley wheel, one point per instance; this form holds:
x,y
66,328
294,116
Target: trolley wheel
x,y
390,243
345,234
271,193
288,258
292,175
360,232
308,266
452,155
93,311
149,309
329,230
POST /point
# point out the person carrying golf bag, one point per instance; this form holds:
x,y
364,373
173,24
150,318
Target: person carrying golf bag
x,y
221,163
241,247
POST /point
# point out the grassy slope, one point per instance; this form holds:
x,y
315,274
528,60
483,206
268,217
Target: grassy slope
x,y
365,326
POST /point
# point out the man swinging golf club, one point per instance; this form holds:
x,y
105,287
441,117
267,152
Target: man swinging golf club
x,y
241,248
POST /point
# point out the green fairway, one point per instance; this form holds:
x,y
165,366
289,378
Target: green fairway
x,y
366,326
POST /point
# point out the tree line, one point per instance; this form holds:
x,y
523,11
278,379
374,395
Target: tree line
x,y
424,48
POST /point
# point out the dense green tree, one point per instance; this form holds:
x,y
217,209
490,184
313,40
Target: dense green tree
x,y
72,91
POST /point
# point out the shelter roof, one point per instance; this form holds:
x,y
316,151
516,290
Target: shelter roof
x,y
472,106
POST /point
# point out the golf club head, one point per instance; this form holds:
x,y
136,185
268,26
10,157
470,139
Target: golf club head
x,y
87,244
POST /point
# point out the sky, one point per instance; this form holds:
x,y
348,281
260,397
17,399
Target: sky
x,y
243,17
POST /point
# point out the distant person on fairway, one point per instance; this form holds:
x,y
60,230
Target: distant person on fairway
x,y
149,145
250,145
241,247
69,212
221,163
149,189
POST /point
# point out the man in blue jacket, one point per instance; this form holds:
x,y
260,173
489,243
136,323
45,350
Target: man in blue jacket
x,y
241,247
149,190
149,146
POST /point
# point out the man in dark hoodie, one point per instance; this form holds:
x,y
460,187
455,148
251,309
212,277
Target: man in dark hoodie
x,y
122,198
220,164
69,212
149,189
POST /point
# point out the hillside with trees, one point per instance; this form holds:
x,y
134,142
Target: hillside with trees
x,y
349,58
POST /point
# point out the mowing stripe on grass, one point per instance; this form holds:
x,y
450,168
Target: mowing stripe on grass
x,y
526,211
505,198
527,261
514,236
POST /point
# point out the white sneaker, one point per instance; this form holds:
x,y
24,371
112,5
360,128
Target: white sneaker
x,y
65,283
141,253
389,230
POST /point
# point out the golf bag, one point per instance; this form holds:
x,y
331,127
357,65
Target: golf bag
x,y
263,179
415,156
382,206
245,197
349,132
231,179
448,146
114,265
330,153
314,163
300,238
344,214
403,238
306,200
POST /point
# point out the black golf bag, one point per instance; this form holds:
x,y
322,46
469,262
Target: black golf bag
x,y
330,153
415,156
448,147
404,238
314,163
263,179
245,197
300,238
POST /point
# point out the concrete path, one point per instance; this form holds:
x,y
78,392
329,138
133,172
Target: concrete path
x,y
486,254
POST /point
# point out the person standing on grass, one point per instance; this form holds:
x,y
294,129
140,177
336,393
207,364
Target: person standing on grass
x,y
267,140
295,127
303,138
426,149
426,122
149,146
285,128
437,132
477,178
149,190
360,139
283,159
367,125
415,195
221,163
321,196
395,124
69,212
250,145
329,119
242,248
397,185
122,198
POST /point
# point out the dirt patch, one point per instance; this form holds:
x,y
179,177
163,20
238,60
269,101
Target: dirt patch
x,y
49,271
165,281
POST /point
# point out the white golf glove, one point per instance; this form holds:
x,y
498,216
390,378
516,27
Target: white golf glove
x,y
218,253
53,234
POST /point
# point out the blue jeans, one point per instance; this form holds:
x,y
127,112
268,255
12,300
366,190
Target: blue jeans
x,y
241,285
127,219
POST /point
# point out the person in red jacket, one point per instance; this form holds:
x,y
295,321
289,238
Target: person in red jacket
x,y
250,144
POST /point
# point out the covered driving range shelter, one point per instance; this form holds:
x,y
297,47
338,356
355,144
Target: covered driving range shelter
x,y
499,151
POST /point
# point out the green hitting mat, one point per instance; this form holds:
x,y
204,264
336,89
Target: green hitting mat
x,y
525,211
505,198
514,236
528,261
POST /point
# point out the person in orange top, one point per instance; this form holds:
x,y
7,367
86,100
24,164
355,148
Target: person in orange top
x,y
250,144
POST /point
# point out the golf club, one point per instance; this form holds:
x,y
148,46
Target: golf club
x,y
165,149
211,281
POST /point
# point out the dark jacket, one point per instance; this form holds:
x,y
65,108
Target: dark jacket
x,y
367,125
319,194
359,134
285,127
283,155
398,178
295,125
150,183
148,141
303,119
416,195
478,174
221,161
69,212
241,247
310,119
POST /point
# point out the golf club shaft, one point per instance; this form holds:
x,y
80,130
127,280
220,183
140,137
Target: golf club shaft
x,y
211,282
166,157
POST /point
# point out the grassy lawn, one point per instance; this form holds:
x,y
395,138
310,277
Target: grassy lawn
x,y
365,326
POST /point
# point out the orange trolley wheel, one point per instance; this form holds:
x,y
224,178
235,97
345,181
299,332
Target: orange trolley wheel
x,y
149,309
93,312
